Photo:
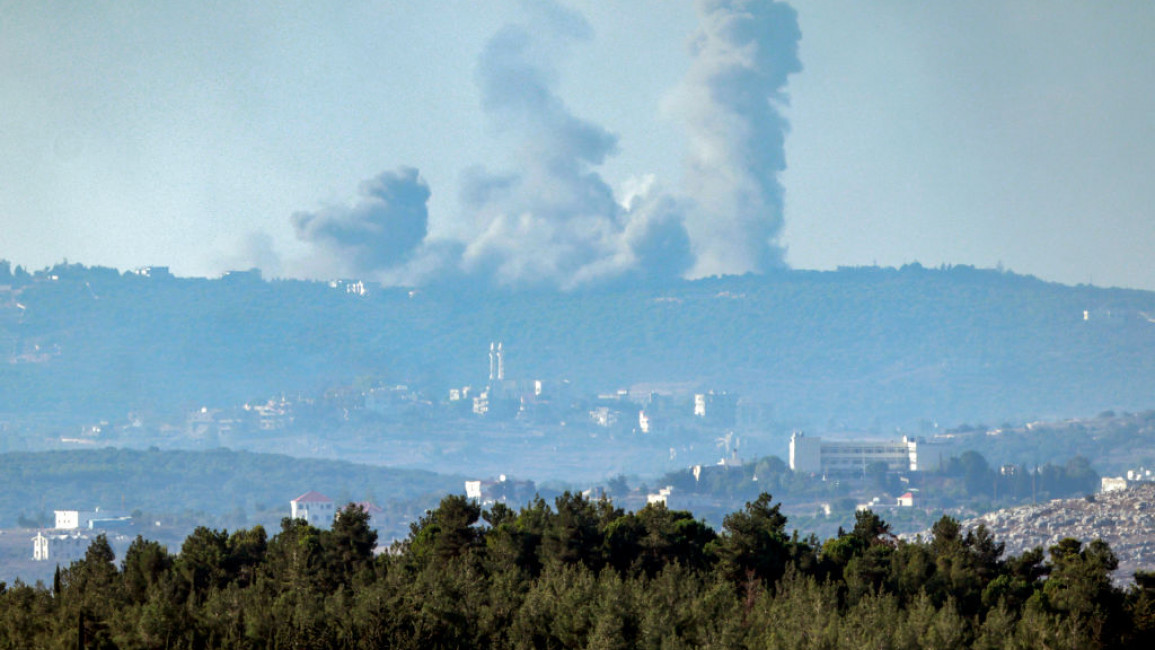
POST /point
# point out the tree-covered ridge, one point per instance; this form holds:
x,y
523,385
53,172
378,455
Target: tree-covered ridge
x,y
584,574
850,346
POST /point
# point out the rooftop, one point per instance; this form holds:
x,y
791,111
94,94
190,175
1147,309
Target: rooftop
x,y
312,497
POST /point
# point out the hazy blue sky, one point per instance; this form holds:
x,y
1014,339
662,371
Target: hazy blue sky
x,y
306,137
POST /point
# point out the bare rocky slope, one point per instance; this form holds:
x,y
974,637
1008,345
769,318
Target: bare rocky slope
x,y
1124,519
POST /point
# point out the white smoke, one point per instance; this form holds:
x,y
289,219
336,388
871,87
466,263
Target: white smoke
x,y
742,56
553,220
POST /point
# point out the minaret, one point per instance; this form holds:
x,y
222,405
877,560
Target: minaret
x,y
492,361
500,363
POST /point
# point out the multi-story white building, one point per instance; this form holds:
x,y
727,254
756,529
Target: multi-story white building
x,y
315,508
818,456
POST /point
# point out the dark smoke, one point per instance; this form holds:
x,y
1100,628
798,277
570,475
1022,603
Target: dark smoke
x,y
377,233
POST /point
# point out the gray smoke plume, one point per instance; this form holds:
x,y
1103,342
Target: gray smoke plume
x,y
555,220
378,233
743,54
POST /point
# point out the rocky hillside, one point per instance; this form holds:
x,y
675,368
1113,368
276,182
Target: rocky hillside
x,y
1124,519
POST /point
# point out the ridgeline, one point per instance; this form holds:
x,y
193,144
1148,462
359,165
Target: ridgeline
x,y
855,347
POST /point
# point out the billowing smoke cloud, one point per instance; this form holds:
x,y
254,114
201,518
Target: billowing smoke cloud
x,y
377,233
553,220
743,54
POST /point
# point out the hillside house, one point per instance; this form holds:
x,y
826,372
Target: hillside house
x,y
75,519
375,512
63,548
313,507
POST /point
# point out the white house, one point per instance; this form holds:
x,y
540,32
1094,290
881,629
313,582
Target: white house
x,y
315,508
64,547
67,547
74,519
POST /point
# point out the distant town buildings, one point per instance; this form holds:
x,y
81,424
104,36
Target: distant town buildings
x,y
63,548
154,272
73,519
603,416
71,535
717,408
1131,478
274,415
89,520
503,490
352,287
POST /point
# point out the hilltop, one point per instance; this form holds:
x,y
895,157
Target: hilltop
x,y
864,347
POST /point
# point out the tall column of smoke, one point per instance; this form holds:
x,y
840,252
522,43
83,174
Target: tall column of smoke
x,y
742,56
554,220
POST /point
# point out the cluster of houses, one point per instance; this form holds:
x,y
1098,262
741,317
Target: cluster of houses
x,y
74,531
1131,478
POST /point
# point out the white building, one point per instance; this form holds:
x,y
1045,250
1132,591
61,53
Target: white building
x,y
74,519
603,416
504,490
662,497
315,508
818,456
1132,477
473,490
1113,484
63,548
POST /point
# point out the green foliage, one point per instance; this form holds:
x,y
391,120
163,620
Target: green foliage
x,y
583,574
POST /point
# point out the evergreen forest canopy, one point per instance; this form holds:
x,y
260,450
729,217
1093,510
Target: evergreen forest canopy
x,y
855,347
583,574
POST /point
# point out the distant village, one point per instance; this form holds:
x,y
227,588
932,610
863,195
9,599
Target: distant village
x,y
510,437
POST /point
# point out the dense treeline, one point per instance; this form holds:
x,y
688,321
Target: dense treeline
x,y
583,574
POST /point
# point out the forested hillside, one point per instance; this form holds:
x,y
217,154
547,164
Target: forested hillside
x,y
584,574
854,347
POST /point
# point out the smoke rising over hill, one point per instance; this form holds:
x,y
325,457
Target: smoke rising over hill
x,y
553,220
376,233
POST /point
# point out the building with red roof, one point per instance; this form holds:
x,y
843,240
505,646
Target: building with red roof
x,y
315,508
